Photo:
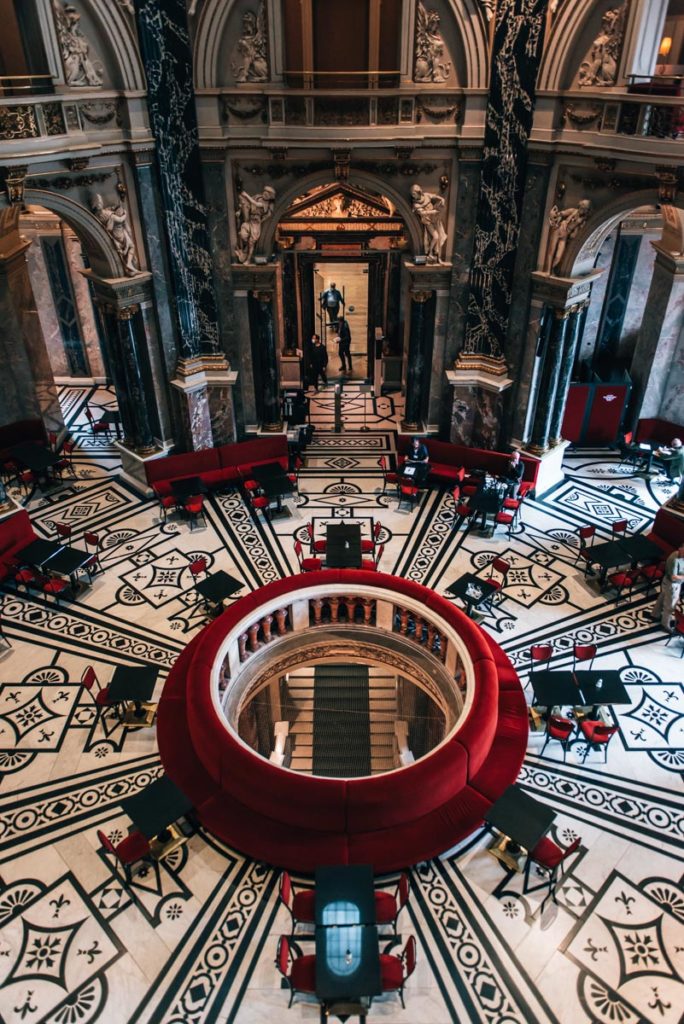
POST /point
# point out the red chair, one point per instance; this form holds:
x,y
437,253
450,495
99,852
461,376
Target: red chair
x,y
560,729
294,476
27,479
101,695
97,426
678,630
300,905
63,531
619,527
9,470
463,513
653,574
194,508
388,905
373,564
197,567
368,546
395,971
167,502
317,547
131,850
298,970
597,735
67,460
408,492
261,504
54,585
25,577
622,582
93,565
550,857
586,534
501,566
52,440
539,653
583,652
306,564
504,519
388,477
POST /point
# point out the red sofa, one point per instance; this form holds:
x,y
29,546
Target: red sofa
x,y
668,529
446,459
216,466
15,533
658,431
299,821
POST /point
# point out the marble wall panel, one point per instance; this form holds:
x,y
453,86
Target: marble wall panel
x,y
222,414
476,415
641,282
659,341
587,345
47,314
84,304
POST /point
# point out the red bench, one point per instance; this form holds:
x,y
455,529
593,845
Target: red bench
x,y
658,431
446,459
668,529
15,533
216,467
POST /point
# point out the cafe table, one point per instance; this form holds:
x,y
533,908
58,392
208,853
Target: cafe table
x,y
113,418
274,483
35,457
641,549
217,588
609,555
136,684
188,487
346,937
37,553
521,818
343,546
156,807
68,561
584,687
472,590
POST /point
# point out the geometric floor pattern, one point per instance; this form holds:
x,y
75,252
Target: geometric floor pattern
x,y
193,939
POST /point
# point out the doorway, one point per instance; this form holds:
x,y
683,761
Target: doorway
x,y
351,279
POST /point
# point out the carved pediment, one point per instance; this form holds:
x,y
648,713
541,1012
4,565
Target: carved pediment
x,y
339,202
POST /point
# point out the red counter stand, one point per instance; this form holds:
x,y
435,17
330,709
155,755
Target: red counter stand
x,y
298,821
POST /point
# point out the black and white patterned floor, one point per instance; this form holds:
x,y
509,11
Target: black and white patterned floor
x,y
194,939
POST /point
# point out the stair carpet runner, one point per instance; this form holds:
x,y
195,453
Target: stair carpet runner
x,y
341,721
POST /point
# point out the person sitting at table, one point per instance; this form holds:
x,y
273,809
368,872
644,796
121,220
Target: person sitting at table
x,y
670,588
418,451
513,474
673,457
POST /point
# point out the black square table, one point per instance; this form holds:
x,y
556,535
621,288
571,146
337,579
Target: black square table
x,y
35,457
68,561
609,555
553,686
188,487
347,963
217,587
562,687
601,687
343,546
266,472
156,807
113,418
135,683
415,473
273,482
487,502
520,817
38,552
472,590
350,884
641,549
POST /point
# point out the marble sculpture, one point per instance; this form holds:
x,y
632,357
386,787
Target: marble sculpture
x,y
251,214
600,66
563,225
251,62
429,209
114,219
430,65
79,68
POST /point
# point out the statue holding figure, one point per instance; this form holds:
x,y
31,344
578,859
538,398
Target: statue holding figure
x,y
79,68
251,61
429,209
252,213
600,66
114,220
430,65
563,225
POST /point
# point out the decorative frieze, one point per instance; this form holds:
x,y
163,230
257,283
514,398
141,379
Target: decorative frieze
x,y
18,123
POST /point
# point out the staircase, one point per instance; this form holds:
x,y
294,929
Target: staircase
x,y
382,713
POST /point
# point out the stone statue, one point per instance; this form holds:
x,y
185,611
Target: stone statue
x,y
114,220
251,62
251,214
429,209
563,225
79,69
600,66
430,65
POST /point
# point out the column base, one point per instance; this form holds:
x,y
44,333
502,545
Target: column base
x,y
133,467
272,428
477,404
550,465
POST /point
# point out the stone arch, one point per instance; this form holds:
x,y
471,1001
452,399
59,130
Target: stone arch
x,y
215,13
561,43
102,254
581,252
362,180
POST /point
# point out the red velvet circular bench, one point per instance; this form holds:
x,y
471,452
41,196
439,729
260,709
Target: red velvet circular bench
x,y
299,821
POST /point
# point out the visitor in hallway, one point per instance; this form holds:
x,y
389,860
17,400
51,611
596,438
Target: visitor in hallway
x,y
319,361
343,339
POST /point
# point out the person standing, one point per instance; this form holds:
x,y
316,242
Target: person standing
x,y
344,346
330,302
319,361
670,588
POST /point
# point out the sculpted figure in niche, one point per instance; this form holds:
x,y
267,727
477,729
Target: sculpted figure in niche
x,y
251,214
79,69
251,62
430,65
429,209
563,225
601,64
114,219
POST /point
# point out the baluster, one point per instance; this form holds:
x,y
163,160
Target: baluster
x,y
280,616
317,606
252,632
403,629
334,603
418,635
242,646
350,604
266,627
367,610
430,636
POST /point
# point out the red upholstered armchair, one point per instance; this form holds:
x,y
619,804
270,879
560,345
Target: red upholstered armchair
x,y
395,971
561,730
298,971
388,905
550,857
129,851
300,905
598,735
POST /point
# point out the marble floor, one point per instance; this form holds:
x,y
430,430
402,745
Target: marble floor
x,y
194,939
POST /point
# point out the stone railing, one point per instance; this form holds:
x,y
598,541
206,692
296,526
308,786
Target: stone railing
x,y
643,116
26,119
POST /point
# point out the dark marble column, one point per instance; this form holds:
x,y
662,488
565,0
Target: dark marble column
x,y
167,53
419,361
263,334
656,364
554,331
126,335
576,318
65,305
623,265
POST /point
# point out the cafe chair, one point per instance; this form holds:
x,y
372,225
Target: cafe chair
x,y
597,735
300,905
317,547
652,574
293,477
368,546
373,564
89,681
629,456
388,905
408,492
622,583
9,470
55,586
560,729
27,577
504,519
677,631
388,477
131,850
97,426
197,567
167,502
551,859
67,460
463,513
540,653
260,504
306,564
619,527
395,970
194,508
92,543
298,970
63,531
500,566
27,479
583,652
456,495
52,440
586,539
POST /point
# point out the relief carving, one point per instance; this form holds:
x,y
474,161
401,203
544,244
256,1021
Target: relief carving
x,y
430,210
79,68
251,215
563,225
251,54
600,66
430,65
114,219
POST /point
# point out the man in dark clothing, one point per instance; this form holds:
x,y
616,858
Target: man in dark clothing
x,y
330,302
513,474
319,361
344,346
